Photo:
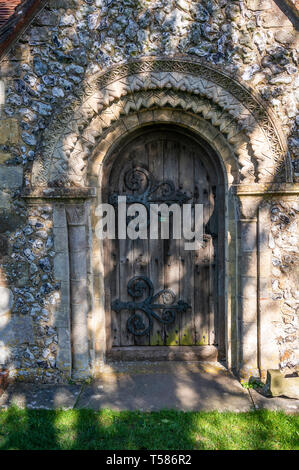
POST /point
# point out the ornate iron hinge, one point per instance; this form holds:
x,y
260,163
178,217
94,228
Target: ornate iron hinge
x,y
146,191
137,287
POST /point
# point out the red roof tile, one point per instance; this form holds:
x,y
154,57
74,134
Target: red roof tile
x,y
7,7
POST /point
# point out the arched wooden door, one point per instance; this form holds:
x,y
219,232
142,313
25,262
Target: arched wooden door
x,y
162,301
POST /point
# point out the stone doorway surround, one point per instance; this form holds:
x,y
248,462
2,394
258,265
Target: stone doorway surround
x,y
162,150
252,154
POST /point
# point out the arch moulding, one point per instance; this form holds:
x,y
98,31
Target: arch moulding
x,y
201,89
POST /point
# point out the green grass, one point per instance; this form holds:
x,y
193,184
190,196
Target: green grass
x,y
112,430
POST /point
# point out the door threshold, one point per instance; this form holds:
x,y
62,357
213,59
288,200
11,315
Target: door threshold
x,y
113,368
163,353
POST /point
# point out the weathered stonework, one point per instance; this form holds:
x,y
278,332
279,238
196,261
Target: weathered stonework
x,y
29,338
83,77
283,241
98,109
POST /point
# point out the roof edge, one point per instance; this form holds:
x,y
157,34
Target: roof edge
x,y
17,23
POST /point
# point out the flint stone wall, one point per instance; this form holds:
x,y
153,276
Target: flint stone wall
x,y
53,60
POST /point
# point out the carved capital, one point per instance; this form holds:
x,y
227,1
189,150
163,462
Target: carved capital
x,y
76,214
248,207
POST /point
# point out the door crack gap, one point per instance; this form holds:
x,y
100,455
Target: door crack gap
x,y
79,396
252,400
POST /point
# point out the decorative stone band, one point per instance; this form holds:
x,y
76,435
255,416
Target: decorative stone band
x,y
254,189
286,189
59,193
252,196
66,145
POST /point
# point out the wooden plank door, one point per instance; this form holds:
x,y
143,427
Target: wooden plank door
x,y
152,167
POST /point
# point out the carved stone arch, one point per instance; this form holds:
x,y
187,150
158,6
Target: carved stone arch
x,y
188,111
197,107
130,123
194,86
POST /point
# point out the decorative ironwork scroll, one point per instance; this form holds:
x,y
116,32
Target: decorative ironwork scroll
x,y
146,191
138,286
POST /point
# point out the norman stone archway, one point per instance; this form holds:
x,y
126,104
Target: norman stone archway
x,y
75,148
196,86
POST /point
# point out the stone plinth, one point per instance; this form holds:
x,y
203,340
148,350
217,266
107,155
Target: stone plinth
x,y
282,385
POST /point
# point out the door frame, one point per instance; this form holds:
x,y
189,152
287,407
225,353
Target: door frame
x,y
243,241
213,163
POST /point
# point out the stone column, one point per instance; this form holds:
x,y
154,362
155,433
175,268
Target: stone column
x,y
77,221
99,313
231,287
248,288
61,273
269,310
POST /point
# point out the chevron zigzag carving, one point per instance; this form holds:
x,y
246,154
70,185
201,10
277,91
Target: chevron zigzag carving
x,y
71,138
